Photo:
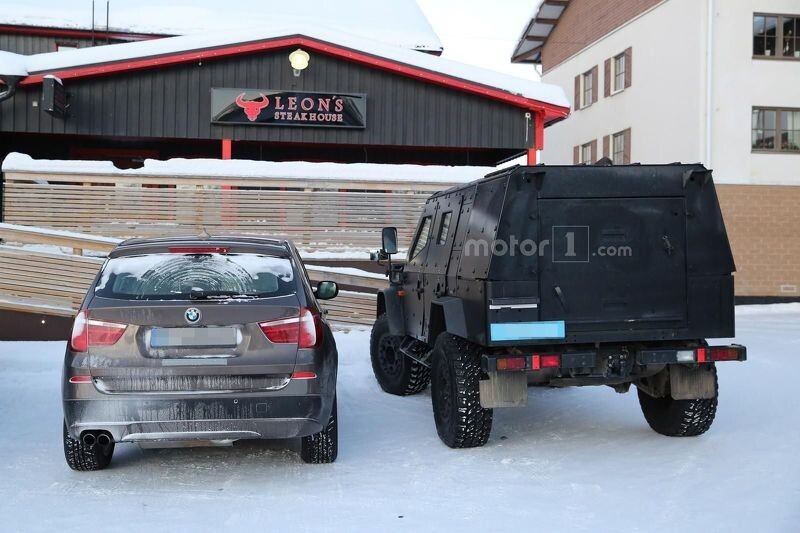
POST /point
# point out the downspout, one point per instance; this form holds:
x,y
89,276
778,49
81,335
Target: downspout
x,y
709,80
11,84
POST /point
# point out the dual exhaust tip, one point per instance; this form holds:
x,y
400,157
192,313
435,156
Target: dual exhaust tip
x,y
96,438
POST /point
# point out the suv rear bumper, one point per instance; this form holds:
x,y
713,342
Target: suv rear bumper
x,y
176,419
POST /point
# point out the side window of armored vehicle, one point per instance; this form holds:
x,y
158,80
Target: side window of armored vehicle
x,y
444,228
422,238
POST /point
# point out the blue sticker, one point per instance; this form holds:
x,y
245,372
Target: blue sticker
x,y
518,331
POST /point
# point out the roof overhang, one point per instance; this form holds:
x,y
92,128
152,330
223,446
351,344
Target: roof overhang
x,y
533,38
420,66
77,33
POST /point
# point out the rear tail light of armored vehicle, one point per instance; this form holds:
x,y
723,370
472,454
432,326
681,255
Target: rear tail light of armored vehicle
x,y
531,362
728,353
305,330
720,353
88,332
540,361
511,363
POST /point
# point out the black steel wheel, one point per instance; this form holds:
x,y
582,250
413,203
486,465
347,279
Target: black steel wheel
x,y
395,372
461,422
680,418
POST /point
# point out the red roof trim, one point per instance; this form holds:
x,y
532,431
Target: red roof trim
x,y
551,112
79,33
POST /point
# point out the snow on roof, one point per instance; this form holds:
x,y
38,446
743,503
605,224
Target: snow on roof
x,y
12,64
82,57
399,22
240,168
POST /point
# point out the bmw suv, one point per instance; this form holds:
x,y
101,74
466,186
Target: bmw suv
x,y
200,339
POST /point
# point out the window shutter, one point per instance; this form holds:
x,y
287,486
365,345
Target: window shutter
x,y
626,151
577,103
628,66
606,146
594,150
594,84
607,78
575,154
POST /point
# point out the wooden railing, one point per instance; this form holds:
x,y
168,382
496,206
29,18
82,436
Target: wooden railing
x,y
316,214
53,283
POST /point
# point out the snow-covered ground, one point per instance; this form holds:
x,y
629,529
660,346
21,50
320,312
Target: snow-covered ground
x,y
576,459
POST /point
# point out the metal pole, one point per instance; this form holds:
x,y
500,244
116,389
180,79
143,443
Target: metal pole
x,y
709,82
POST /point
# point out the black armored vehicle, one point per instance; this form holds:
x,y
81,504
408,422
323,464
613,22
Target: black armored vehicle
x,y
558,276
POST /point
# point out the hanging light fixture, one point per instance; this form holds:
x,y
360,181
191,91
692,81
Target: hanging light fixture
x,y
299,61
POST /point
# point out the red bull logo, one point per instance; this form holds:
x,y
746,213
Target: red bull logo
x,y
252,108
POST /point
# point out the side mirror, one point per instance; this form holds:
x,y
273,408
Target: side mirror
x,y
389,240
326,290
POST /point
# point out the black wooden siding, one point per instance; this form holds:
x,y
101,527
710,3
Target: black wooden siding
x,y
41,44
174,102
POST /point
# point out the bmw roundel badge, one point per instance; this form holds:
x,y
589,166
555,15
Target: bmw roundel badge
x,y
192,315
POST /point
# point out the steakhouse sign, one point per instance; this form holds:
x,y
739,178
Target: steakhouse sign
x,y
288,108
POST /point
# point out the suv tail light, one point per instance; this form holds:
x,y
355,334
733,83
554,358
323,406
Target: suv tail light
x,y
87,332
305,329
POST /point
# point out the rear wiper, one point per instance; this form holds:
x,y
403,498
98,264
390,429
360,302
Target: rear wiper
x,y
219,295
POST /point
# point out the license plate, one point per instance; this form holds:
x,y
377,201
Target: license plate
x,y
193,337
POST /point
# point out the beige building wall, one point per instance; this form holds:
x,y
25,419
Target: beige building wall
x,y
663,106
740,82
677,90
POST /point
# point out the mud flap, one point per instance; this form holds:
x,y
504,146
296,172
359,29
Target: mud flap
x,y
687,383
504,390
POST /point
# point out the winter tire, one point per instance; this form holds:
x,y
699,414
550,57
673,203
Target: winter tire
x,y
680,418
322,447
460,420
396,372
85,458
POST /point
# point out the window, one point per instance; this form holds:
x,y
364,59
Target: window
x,y
791,41
444,228
64,47
764,126
587,88
790,131
586,153
422,238
776,36
776,130
619,73
185,276
618,148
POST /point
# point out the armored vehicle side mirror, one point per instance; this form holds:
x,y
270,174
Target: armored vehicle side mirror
x,y
326,290
389,240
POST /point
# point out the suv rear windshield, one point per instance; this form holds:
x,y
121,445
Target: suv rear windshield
x,y
170,276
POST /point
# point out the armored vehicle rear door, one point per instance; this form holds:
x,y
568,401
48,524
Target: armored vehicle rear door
x,y
614,263
413,302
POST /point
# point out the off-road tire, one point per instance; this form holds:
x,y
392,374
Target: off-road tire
x,y
85,458
395,372
322,447
679,418
460,420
